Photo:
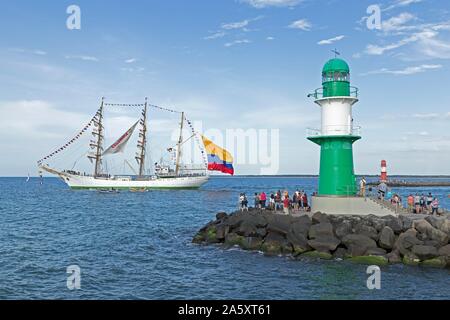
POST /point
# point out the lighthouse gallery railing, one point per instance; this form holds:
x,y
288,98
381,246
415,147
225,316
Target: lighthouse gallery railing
x,y
318,93
337,130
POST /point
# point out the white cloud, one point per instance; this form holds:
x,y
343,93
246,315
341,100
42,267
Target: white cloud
x,y
407,71
330,41
236,42
40,52
84,58
216,35
301,24
37,119
270,38
36,51
426,115
141,69
239,24
434,48
272,3
235,25
401,3
131,60
426,40
420,36
397,23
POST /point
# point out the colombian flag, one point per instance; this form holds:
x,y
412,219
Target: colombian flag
x,y
218,159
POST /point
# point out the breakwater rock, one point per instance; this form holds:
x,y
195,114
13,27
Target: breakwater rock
x,y
363,239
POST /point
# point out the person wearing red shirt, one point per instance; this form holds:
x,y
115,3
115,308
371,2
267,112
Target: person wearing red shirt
x,y
286,204
263,200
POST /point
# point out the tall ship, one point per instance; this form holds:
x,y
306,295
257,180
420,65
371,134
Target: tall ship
x,y
175,175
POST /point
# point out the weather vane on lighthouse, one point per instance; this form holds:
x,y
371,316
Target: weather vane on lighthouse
x,y
336,53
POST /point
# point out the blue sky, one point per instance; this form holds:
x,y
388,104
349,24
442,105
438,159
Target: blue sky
x,y
231,64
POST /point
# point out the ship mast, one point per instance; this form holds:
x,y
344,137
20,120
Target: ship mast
x,y
180,142
142,144
99,143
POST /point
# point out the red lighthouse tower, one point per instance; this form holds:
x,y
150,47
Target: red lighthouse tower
x,y
383,177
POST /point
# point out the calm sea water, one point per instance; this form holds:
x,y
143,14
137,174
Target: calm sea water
x,y
138,246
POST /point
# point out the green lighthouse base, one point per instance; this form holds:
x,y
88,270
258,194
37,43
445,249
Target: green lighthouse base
x,y
337,176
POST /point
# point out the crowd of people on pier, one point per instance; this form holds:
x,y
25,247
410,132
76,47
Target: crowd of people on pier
x,y
416,203
277,201
299,202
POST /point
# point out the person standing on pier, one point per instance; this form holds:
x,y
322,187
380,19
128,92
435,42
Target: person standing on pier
x,y
429,201
417,204
263,200
435,207
410,203
382,190
278,201
362,187
257,201
286,204
243,202
272,202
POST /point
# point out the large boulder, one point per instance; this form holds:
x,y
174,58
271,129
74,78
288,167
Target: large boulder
x,y
366,230
394,257
406,241
324,229
395,224
406,222
279,223
434,221
424,227
358,244
445,251
221,216
247,228
275,244
425,252
376,252
319,217
342,229
221,231
378,223
298,241
261,232
301,225
251,243
324,243
445,226
234,220
439,236
232,239
387,238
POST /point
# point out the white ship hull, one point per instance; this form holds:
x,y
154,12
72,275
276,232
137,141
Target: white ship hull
x,y
81,182
87,182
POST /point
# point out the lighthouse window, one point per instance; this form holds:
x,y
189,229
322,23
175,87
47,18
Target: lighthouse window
x,y
328,77
337,76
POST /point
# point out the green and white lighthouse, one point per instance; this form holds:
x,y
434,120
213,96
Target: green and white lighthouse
x,y
336,99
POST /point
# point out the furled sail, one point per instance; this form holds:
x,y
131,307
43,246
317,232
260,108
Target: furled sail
x,y
121,143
